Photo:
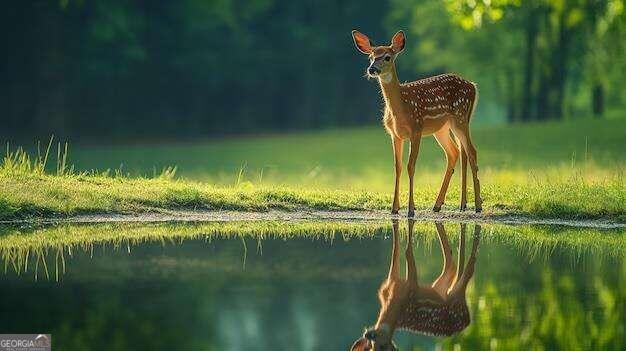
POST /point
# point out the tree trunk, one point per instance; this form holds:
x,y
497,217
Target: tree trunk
x,y
529,64
598,100
542,110
560,68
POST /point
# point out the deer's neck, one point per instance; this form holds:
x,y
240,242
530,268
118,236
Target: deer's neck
x,y
394,303
390,87
388,318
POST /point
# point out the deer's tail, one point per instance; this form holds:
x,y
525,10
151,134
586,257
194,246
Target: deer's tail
x,y
474,102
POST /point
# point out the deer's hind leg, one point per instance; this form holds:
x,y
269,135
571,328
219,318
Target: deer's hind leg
x,y
463,177
446,142
461,254
461,131
442,284
468,271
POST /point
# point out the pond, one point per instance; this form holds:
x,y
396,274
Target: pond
x,y
312,285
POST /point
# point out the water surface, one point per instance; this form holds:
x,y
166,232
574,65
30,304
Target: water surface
x,y
261,291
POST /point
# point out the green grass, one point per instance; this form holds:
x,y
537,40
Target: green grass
x,y
19,245
570,169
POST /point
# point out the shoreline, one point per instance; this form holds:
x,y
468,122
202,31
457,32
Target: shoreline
x,y
300,215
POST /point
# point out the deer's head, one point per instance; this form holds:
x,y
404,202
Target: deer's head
x,y
375,339
381,58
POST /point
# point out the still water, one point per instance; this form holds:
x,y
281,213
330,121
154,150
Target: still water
x,y
475,289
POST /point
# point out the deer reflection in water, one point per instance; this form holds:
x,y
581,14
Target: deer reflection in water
x,y
438,309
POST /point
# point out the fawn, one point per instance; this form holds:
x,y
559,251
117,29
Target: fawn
x,y
436,105
438,309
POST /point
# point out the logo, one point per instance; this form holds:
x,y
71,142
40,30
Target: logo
x,y
25,342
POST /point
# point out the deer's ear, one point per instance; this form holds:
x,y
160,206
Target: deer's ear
x,y
398,41
360,345
362,42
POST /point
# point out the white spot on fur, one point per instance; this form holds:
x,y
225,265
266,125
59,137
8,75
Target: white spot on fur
x,y
434,116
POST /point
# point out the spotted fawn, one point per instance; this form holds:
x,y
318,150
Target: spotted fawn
x,y
438,309
441,106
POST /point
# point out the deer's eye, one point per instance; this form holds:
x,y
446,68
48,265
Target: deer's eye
x,y
387,58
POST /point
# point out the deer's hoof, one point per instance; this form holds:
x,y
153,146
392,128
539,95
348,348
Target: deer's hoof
x,y
437,208
411,213
479,209
463,208
394,212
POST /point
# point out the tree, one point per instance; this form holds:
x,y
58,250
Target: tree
x,y
542,68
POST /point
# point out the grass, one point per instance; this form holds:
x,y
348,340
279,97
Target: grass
x,y
18,246
571,169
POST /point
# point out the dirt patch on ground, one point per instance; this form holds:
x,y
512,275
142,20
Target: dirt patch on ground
x,y
221,216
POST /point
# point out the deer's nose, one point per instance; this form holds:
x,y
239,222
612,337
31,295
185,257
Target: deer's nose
x,y
373,70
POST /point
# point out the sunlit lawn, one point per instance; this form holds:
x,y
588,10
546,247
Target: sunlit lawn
x,y
360,158
571,169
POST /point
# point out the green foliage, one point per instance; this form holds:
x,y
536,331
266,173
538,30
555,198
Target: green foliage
x,y
185,68
119,69
532,59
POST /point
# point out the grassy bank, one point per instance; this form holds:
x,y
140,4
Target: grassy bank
x,y
525,170
27,195
18,246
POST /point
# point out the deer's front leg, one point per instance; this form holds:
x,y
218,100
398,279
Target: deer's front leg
x,y
394,267
397,157
411,271
415,148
